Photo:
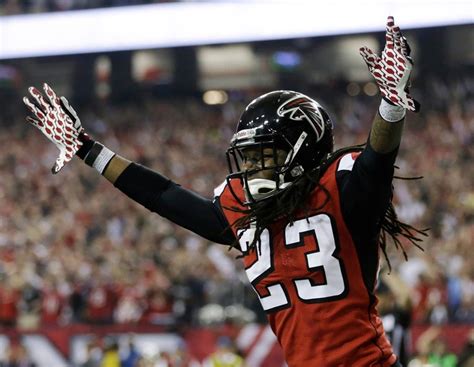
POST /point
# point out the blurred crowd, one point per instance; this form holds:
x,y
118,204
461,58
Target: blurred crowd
x,y
74,249
112,352
16,7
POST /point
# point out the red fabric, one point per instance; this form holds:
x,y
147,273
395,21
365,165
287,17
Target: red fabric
x,y
344,330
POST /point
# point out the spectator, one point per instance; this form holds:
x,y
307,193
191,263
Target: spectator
x,y
17,356
395,310
432,350
93,355
132,357
101,300
159,309
225,355
111,357
466,358
52,303
9,300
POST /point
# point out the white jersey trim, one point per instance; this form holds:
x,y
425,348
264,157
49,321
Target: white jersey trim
x,y
220,189
346,163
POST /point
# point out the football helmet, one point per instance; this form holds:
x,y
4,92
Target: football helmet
x,y
285,121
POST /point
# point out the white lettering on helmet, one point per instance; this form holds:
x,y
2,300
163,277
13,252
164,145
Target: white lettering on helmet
x,y
244,134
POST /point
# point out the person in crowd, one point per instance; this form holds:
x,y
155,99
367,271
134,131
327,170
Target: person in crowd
x,y
225,355
395,309
433,350
9,302
466,357
17,356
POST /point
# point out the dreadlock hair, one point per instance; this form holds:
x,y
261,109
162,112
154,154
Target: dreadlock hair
x,y
287,202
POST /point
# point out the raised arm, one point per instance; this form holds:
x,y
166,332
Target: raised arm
x,y
391,70
59,122
367,186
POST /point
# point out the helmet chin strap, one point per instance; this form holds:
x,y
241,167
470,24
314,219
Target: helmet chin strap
x,y
296,148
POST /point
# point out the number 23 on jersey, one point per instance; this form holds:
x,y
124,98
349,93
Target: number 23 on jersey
x,y
321,258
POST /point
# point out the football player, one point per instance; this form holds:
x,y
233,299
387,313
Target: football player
x,y
309,222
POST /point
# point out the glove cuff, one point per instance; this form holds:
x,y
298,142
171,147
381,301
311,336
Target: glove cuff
x,y
390,112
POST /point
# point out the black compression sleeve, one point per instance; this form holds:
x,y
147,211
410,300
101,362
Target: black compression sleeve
x,y
367,189
365,193
183,207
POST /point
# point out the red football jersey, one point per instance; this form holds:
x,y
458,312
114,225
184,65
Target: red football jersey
x,y
309,280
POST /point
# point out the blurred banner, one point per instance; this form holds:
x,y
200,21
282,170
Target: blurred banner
x,y
60,346
190,24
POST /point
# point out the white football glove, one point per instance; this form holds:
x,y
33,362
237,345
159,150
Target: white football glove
x,y
58,121
392,69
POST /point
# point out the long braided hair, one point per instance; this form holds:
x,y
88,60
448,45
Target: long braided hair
x,y
287,202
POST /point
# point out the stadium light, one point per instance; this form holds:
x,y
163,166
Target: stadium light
x,y
187,24
214,97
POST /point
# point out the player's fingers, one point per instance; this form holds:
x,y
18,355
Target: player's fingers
x,y
389,32
412,104
71,112
406,49
67,106
369,56
64,157
57,165
34,122
390,22
51,95
397,35
36,94
33,108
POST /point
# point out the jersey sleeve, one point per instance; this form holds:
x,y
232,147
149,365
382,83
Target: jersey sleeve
x,y
365,187
159,194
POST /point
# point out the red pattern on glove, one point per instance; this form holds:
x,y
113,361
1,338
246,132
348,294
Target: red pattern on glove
x,y
60,126
392,69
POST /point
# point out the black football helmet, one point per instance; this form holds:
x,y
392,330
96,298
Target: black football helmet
x,y
281,120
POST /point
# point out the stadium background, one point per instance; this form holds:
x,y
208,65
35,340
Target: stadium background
x,y
83,269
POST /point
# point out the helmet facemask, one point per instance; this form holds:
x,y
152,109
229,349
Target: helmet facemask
x,y
271,178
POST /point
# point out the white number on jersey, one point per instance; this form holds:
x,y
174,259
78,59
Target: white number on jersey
x,y
323,257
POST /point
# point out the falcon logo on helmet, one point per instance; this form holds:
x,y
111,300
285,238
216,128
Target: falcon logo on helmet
x,y
302,107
